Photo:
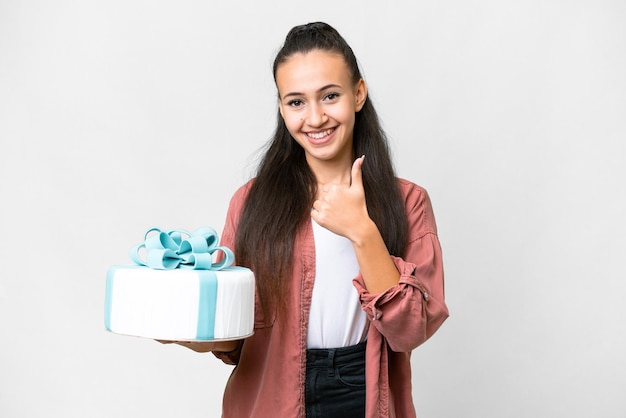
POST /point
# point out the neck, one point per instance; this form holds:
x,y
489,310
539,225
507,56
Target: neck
x,y
331,172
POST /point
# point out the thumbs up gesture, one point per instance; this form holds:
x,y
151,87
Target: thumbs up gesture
x,y
341,208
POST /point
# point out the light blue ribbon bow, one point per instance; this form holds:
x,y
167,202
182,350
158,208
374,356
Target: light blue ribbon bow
x,y
178,248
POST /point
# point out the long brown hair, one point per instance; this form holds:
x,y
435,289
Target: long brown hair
x,y
283,191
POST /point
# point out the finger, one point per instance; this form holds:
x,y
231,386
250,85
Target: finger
x,y
315,207
357,173
167,341
315,215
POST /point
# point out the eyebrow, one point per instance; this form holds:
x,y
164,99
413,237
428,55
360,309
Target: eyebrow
x,y
326,87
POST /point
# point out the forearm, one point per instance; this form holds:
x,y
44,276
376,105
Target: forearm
x,y
377,268
410,313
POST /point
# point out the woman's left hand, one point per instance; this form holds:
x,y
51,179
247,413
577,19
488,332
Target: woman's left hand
x,y
341,208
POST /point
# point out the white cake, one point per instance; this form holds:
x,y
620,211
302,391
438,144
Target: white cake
x,y
180,304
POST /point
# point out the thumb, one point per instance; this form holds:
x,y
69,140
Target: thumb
x,y
357,173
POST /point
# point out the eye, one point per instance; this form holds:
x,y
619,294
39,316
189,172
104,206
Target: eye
x,y
295,103
331,96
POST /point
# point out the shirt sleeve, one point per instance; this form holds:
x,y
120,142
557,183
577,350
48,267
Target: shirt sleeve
x,y
228,240
410,312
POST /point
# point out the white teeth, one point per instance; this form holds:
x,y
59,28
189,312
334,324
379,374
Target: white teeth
x,y
320,135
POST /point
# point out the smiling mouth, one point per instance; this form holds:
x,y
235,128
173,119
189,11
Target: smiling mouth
x,y
320,135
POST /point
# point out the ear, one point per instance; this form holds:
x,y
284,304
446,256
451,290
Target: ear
x,y
360,94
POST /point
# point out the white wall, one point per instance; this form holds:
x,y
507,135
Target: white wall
x,y
118,116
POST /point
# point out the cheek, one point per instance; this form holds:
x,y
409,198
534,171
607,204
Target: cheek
x,y
345,112
346,117
293,124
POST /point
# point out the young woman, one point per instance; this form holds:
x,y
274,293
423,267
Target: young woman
x,y
346,256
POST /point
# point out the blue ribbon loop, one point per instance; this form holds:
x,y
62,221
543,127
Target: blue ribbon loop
x,y
180,249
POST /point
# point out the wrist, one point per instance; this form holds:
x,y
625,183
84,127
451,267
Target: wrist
x,y
365,234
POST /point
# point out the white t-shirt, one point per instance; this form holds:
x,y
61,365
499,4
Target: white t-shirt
x,y
336,318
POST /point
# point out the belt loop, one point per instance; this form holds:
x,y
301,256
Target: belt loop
x,y
331,361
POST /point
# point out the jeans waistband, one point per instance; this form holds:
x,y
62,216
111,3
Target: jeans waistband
x,y
324,357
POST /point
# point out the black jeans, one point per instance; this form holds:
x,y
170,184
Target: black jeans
x,y
335,382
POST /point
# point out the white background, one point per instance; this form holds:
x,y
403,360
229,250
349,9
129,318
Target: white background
x,y
117,116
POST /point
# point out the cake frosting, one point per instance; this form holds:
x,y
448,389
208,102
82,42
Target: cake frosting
x,y
177,291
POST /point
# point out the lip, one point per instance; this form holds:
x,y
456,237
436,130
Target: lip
x,y
323,140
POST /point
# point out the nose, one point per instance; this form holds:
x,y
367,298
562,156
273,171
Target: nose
x,y
316,116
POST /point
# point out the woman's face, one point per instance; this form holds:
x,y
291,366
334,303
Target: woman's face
x,y
318,102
